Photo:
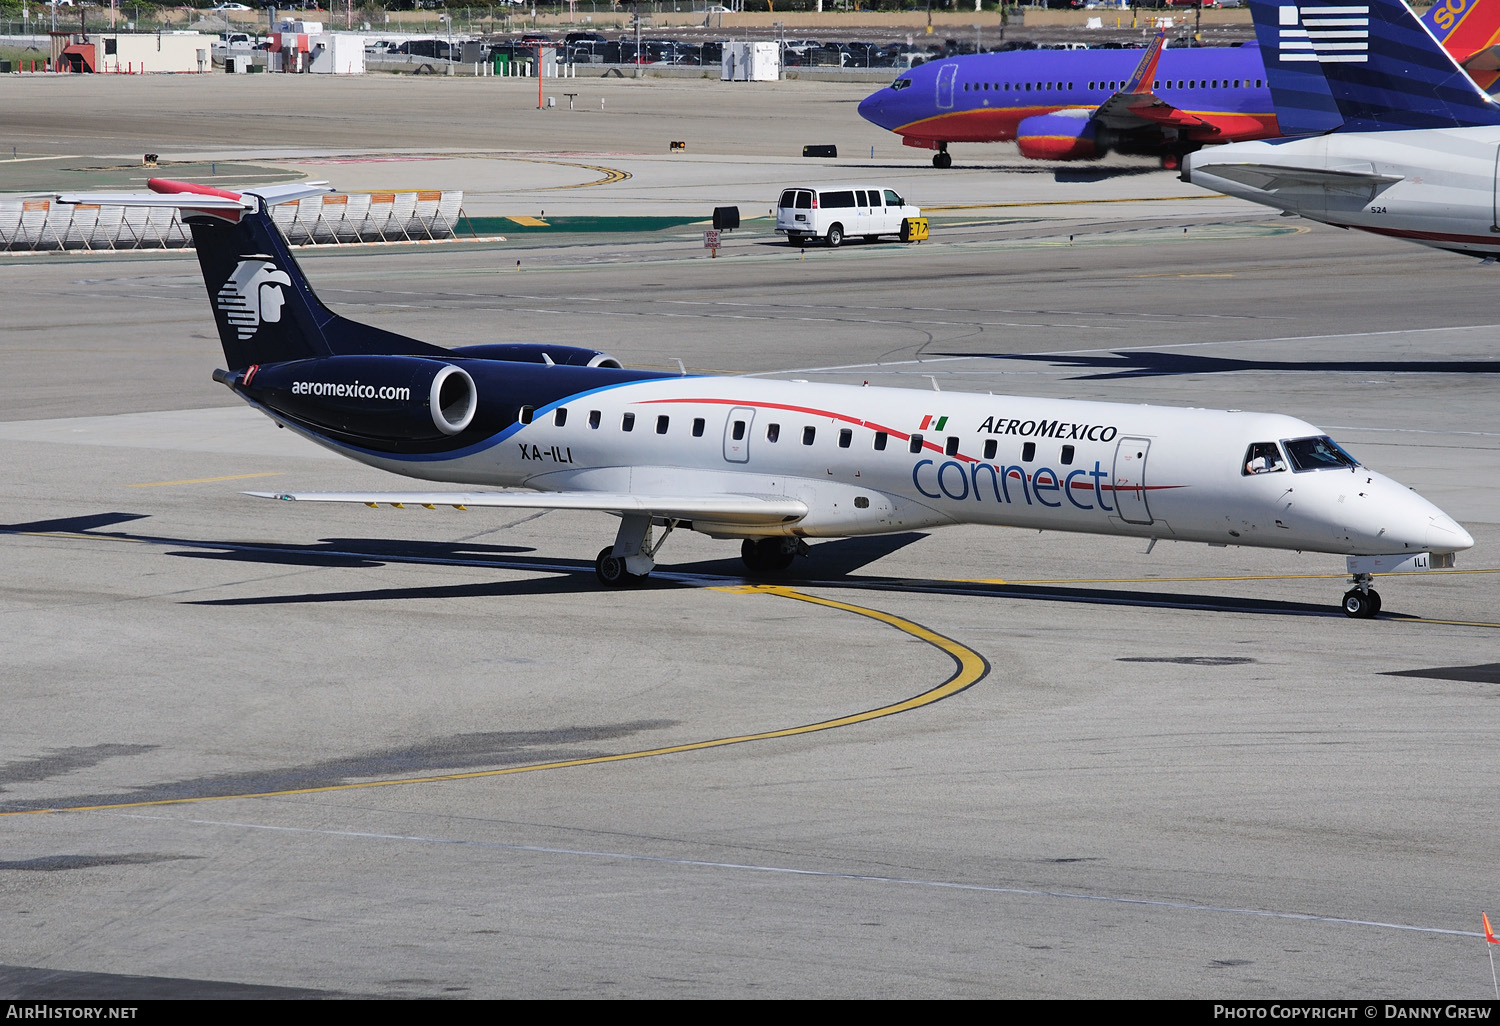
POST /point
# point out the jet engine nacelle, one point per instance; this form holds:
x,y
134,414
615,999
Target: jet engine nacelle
x,y
533,352
391,398
1060,137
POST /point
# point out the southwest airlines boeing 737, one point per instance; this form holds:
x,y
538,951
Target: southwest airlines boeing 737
x,y
767,463
1081,104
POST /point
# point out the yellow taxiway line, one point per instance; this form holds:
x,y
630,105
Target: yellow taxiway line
x,y
971,668
204,480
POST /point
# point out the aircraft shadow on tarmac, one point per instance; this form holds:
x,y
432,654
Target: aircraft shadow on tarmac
x,y
452,753
1148,364
832,564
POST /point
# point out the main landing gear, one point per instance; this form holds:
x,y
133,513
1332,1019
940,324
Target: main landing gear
x,y
1361,602
630,559
765,555
942,158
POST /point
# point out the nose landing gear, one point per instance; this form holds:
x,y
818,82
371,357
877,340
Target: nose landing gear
x,y
942,158
1361,602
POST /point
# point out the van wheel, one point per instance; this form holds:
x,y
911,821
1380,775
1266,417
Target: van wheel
x,y
793,240
835,235
872,238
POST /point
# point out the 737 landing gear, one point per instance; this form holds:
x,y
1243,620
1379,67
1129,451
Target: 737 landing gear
x,y
1361,602
632,556
942,158
764,555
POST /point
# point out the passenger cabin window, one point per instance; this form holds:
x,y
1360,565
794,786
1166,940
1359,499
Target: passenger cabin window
x,y
788,198
698,426
804,199
661,424
526,412
594,419
1262,458
1067,456
773,432
990,448
846,436
915,444
1318,453
627,422
1028,452
880,440
950,448
842,198
738,432
807,435
560,416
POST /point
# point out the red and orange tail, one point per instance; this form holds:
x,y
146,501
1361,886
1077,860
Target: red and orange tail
x,y
1468,29
1489,934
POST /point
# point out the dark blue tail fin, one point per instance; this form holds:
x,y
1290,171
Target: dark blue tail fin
x,y
1383,68
265,309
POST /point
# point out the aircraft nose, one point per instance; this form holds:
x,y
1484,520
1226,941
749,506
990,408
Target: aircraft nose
x,y
872,108
1444,534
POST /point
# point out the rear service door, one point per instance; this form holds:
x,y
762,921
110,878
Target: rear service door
x,y
737,434
1130,480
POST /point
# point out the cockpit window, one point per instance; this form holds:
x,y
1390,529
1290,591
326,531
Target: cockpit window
x,y
1262,458
1320,453
901,83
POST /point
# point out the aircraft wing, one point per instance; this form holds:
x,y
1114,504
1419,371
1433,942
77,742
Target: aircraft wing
x,y
1272,178
1136,106
743,510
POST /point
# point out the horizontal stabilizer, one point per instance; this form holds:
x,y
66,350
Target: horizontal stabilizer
x,y
747,510
187,196
1271,178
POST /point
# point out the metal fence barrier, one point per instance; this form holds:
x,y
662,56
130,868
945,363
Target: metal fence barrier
x,y
41,223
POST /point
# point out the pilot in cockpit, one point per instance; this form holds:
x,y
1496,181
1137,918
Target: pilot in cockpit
x,y
1263,458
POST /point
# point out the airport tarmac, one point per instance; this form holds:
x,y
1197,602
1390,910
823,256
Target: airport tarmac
x,y
347,752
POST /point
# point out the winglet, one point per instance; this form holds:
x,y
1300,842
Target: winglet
x,y
1489,934
1145,72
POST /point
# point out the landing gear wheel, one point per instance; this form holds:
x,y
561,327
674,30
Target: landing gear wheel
x,y
943,159
610,570
764,555
835,235
1360,605
750,555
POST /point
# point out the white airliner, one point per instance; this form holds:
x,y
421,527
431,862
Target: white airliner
x,y
770,463
1415,158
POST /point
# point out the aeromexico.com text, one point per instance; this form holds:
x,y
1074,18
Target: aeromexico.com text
x,y
340,390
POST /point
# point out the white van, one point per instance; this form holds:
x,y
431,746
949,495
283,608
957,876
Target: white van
x,y
835,212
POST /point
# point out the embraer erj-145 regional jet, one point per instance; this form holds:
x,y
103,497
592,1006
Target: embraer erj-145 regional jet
x,y
768,462
1415,157
1081,104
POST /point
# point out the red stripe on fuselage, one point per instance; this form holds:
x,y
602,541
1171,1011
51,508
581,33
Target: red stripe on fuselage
x,y
998,124
879,427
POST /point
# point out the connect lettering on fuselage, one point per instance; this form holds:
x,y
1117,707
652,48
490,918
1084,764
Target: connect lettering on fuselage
x,y
1049,429
978,482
